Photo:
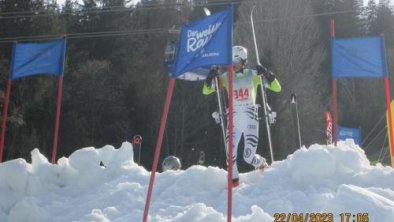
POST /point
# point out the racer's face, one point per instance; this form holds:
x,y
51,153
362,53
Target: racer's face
x,y
237,65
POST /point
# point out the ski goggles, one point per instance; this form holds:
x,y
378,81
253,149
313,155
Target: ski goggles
x,y
236,60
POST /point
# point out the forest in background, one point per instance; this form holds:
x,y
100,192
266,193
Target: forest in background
x,y
115,79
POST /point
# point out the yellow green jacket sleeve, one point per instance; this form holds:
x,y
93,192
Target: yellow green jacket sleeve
x,y
273,86
206,90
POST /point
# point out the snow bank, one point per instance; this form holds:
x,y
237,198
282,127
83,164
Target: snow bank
x,y
106,185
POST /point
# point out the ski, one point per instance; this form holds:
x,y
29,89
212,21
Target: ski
x,y
262,88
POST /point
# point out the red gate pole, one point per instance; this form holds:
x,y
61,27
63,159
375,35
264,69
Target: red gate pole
x,y
4,118
58,106
390,118
388,99
167,102
335,112
334,94
230,144
57,121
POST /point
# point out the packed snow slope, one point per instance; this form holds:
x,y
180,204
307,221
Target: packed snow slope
x,y
316,179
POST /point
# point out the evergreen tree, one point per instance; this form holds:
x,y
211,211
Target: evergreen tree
x,y
29,107
115,81
369,15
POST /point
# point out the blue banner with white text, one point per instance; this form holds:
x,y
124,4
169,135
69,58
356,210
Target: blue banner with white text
x,y
38,58
204,43
359,57
349,133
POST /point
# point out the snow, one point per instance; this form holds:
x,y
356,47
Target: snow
x,y
318,179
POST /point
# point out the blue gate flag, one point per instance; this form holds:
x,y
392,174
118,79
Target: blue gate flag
x,y
38,58
206,42
359,57
349,133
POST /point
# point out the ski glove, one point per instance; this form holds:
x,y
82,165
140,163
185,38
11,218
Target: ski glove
x,y
261,70
213,73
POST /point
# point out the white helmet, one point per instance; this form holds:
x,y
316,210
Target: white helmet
x,y
239,52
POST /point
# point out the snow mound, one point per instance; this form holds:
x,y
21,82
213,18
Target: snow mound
x,y
106,185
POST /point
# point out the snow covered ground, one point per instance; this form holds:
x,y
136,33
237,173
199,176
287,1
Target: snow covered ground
x,y
319,179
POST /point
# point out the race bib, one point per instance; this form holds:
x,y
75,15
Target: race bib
x,y
241,94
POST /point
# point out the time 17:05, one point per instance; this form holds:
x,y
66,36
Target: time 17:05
x,y
359,217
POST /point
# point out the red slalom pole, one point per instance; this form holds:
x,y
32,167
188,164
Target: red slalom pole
x,y
335,112
57,121
230,144
167,102
4,118
390,118
334,94
388,100
58,106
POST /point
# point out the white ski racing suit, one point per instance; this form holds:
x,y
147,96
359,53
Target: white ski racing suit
x,y
245,114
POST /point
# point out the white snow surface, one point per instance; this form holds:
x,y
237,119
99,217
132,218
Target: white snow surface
x,y
319,179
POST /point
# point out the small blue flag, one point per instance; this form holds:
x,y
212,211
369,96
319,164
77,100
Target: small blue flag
x,y
38,58
204,43
359,57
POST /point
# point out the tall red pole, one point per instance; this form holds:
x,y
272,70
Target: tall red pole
x,y
57,122
170,91
390,118
388,99
334,94
58,105
4,118
230,144
335,112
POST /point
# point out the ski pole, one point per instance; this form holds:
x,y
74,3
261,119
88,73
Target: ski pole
x,y
262,82
293,101
221,113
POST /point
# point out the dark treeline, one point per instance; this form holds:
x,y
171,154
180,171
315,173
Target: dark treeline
x,y
115,81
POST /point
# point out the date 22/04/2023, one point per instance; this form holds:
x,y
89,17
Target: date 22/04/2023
x,y
320,217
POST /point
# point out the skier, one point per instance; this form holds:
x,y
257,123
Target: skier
x,y
245,109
